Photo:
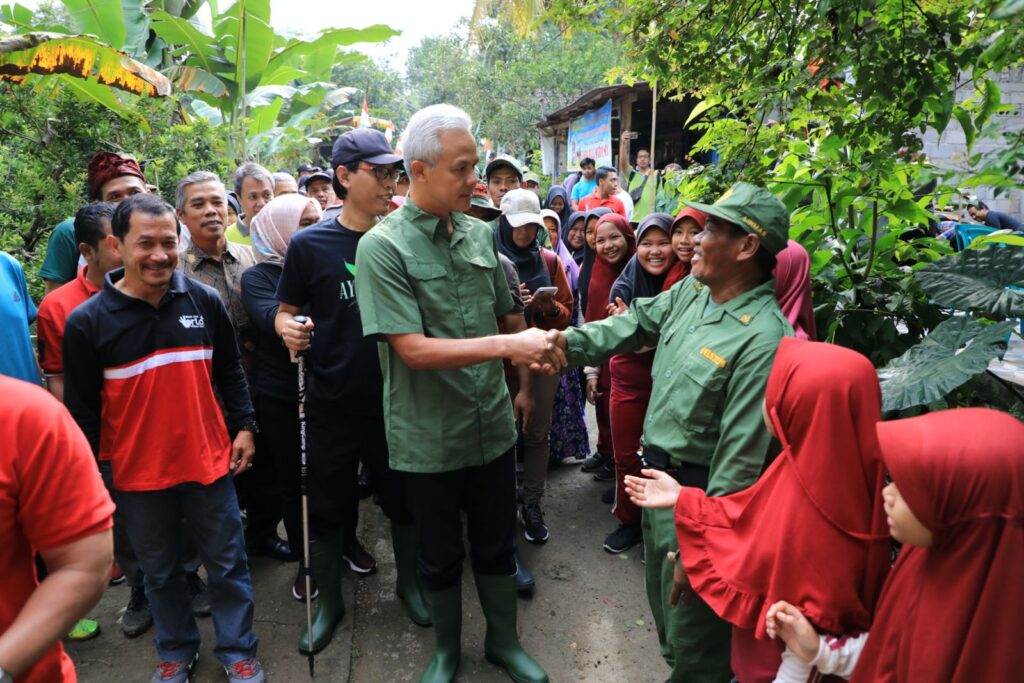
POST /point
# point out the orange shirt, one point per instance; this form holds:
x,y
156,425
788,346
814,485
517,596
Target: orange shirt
x,y
53,313
593,201
51,495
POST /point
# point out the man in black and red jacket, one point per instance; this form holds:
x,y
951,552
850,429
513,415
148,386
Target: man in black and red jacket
x,y
140,361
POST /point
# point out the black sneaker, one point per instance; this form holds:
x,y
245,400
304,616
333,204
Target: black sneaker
x,y
623,538
198,595
137,617
360,561
532,519
596,461
606,472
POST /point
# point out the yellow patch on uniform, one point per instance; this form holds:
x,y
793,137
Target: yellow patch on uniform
x,y
697,286
725,195
745,319
713,357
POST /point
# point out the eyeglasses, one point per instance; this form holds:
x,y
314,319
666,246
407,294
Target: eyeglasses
x,y
382,173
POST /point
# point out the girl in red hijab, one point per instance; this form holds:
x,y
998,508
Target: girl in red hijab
x,y
614,245
812,529
793,290
952,610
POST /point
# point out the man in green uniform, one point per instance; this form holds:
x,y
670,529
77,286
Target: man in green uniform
x,y
715,335
429,285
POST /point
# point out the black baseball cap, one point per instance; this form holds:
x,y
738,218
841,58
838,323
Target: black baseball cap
x,y
318,175
363,144
306,168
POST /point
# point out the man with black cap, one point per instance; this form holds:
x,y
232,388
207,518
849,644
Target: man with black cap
x,y
318,186
345,403
715,335
111,178
305,169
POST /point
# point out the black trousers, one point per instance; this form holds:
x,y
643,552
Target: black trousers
x,y
487,495
277,453
258,495
337,440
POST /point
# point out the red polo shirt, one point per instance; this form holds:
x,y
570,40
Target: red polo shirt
x,y
51,495
593,201
53,313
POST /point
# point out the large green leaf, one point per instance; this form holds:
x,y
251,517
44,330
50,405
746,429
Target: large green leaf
x,y
187,36
81,57
192,79
317,54
977,280
244,32
954,352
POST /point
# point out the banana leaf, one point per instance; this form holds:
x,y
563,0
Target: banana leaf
x,y
977,280
955,351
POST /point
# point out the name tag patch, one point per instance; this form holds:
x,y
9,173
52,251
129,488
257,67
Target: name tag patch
x,y
713,357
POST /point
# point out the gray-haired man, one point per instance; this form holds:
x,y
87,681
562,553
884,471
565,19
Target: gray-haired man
x,y
254,187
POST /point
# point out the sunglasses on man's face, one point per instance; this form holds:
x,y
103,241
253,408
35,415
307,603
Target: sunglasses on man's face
x,y
382,173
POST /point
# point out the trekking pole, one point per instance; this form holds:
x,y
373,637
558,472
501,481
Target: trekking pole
x,y
300,356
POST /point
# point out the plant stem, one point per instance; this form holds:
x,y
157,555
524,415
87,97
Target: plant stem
x,y
874,239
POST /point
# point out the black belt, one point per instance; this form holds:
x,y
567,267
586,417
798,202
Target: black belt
x,y
687,474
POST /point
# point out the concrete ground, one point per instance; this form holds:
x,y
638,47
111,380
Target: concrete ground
x,y
587,620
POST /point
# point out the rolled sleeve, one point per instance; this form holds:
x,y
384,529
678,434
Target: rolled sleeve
x,y
637,328
739,457
387,301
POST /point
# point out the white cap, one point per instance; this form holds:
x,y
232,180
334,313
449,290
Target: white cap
x,y
521,207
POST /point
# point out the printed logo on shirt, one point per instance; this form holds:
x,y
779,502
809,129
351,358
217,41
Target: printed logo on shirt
x,y
350,267
16,297
192,322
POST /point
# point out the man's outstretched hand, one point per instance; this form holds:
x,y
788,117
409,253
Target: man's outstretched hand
x,y
536,350
557,359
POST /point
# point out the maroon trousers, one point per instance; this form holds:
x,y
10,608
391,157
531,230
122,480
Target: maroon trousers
x,y
630,393
604,427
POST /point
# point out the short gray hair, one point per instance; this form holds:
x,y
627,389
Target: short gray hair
x,y
193,179
250,170
281,176
423,134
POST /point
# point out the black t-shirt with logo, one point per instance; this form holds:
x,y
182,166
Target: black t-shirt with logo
x,y
319,272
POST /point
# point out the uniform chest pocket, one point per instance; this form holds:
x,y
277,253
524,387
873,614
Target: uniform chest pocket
x,y
701,391
426,271
484,260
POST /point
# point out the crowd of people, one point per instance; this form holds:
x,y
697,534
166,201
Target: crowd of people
x,y
454,324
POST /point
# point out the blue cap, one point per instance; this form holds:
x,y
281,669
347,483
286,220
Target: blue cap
x,y
363,144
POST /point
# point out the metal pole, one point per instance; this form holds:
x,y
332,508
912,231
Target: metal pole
x,y
654,119
304,490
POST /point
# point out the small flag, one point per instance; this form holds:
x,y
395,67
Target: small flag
x,y
364,120
389,132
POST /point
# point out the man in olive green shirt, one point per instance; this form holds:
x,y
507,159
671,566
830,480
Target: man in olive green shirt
x,y
715,334
428,281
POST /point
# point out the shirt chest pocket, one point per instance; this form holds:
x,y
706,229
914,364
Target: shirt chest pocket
x,y
430,283
701,389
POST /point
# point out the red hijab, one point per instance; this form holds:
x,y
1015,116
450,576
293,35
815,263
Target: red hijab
x,y
681,269
811,530
603,275
793,290
954,612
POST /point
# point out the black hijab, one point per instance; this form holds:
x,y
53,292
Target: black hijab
x,y
634,282
528,261
587,263
577,254
559,191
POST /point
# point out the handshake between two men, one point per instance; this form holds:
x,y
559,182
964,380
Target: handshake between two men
x,y
544,352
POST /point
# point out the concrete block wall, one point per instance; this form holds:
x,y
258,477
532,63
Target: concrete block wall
x,y
950,149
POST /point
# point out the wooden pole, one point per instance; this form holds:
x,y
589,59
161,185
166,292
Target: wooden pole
x,y
654,119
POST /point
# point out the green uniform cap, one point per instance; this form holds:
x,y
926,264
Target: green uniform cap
x,y
503,160
754,209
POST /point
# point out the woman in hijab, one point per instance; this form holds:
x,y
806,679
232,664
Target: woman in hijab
x,y
613,245
652,270
811,529
538,268
558,201
274,381
573,233
793,289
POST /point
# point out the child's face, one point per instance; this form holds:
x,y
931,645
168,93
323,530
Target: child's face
x,y
903,525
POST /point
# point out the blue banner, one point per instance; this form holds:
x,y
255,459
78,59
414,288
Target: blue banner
x,y
591,136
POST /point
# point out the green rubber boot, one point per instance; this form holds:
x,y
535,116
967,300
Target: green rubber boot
x,y
405,542
501,646
326,561
446,613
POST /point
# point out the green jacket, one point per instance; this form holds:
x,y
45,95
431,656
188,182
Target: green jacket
x,y
709,374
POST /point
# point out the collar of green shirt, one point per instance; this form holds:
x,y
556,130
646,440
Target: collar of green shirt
x,y
745,307
428,223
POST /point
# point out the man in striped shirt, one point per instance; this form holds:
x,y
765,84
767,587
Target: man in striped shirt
x,y
140,361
